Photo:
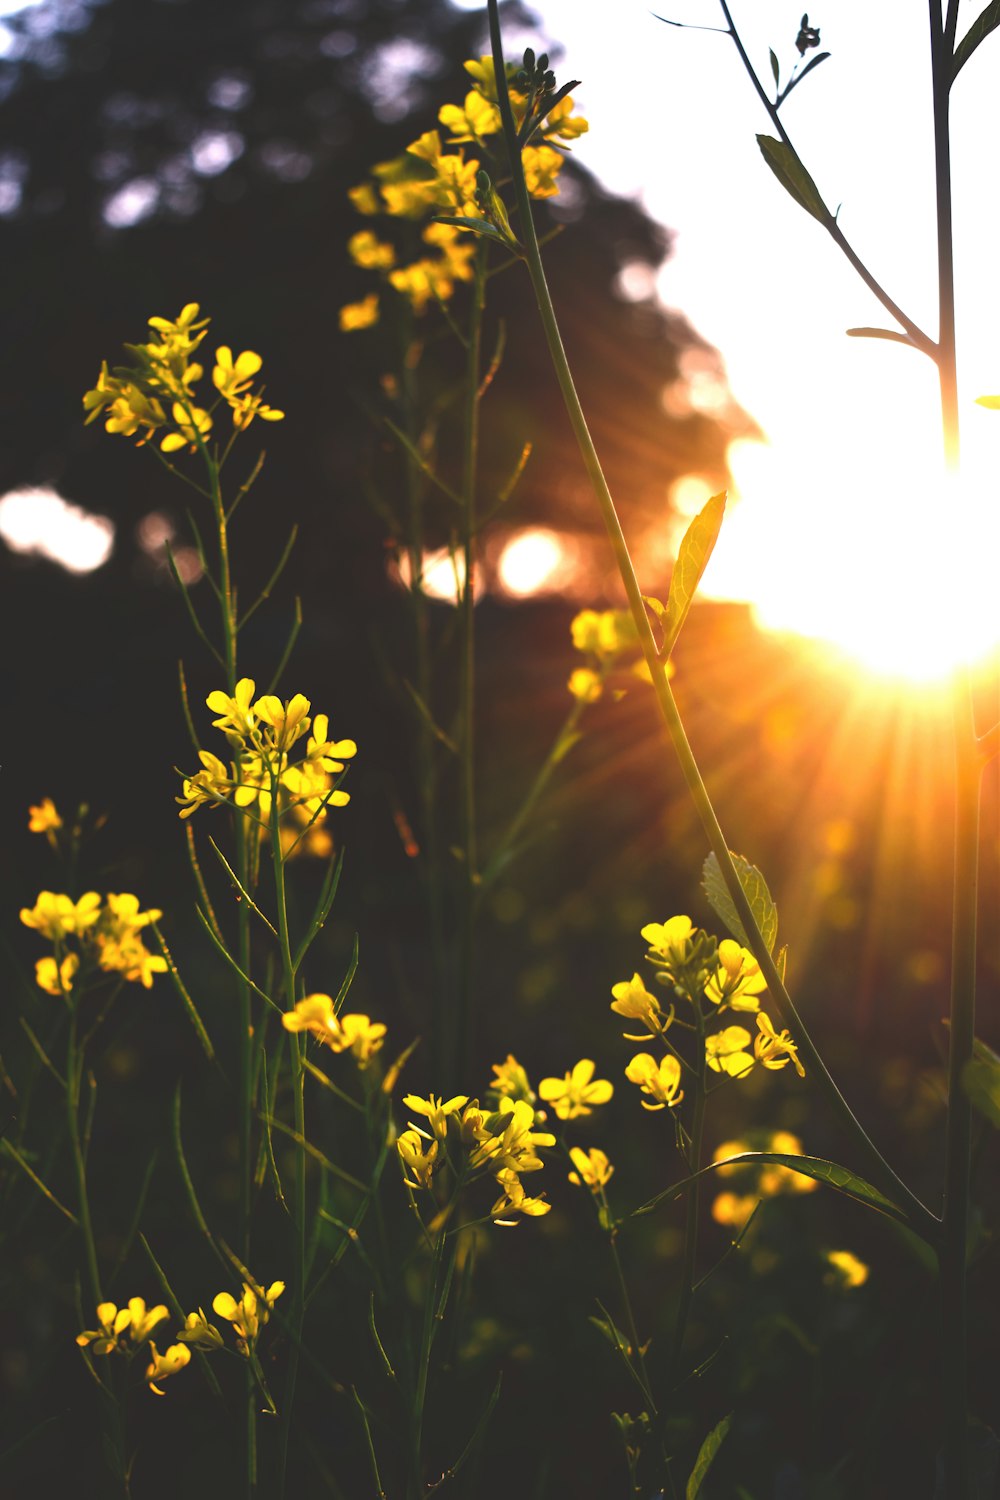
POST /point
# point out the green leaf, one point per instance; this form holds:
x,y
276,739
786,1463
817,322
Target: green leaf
x,y
754,888
614,1335
709,1447
696,548
793,176
980,29
477,226
981,1082
775,69
816,1167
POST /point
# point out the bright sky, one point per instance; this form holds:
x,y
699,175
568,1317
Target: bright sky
x,y
850,485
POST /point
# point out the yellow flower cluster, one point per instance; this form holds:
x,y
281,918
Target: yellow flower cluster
x,y
156,393
104,938
456,1134
356,1034
604,637
248,1316
261,734
694,967
435,177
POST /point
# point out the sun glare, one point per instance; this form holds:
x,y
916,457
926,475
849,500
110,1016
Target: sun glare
x,y
534,561
899,578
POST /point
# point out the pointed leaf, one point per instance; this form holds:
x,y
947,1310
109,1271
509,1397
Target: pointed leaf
x,y
880,333
980,29
816,1167
755,888
696,548
793,177
775,69
709,1447
981,1082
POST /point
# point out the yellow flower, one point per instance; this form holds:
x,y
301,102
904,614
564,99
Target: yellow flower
x,y
509,1139
142,1321
592,1168
733,1209
44,818
361,314
185,333
249,1315
112,1322
364,198
367,250
671,940
232,377
361,1037
737,981
542,166
235,714
199,1332
771,1179
192,424
314,1014
660,1080
558,121
774,1049
575,1095
120,949
287,721
846,1270
207,786
725,1052
436,1111
56,979
514,1200
161,1366
511,1081
419,1160
604,633
478,117
57,916
585,684
633,1001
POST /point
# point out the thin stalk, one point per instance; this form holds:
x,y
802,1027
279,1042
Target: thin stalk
x,y
74,1070
953,1255
298,1095
230,634
423,1368
914,334
693,1205
882,1174
463,1026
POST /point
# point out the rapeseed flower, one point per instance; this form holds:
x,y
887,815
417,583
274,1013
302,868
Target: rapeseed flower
x,y
846,1270
361,314
774,1049
419,1158
57,916
436,1111
737,980
161,1366
249,1315
592,1168
112,1322
514,1200
200,1333
56,979
44,818
575,1095
725,1051
633,1001
660,1080
511,1081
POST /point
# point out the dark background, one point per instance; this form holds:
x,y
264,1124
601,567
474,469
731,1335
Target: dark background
x,y
96,97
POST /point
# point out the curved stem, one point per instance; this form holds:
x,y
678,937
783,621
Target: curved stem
x,y
923,1221
693,1201
74,1071
915,335
464,1020
969,764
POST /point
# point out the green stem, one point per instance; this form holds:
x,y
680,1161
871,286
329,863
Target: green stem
x,y
463,1026
230,634
423,1369
968,770
882,1174
74,1070
298,1094
693,1204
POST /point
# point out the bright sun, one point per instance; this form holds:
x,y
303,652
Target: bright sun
x,y
902,579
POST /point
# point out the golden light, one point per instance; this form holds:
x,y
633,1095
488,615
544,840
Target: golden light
x,y
40,522
901,579
536,561
442,574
